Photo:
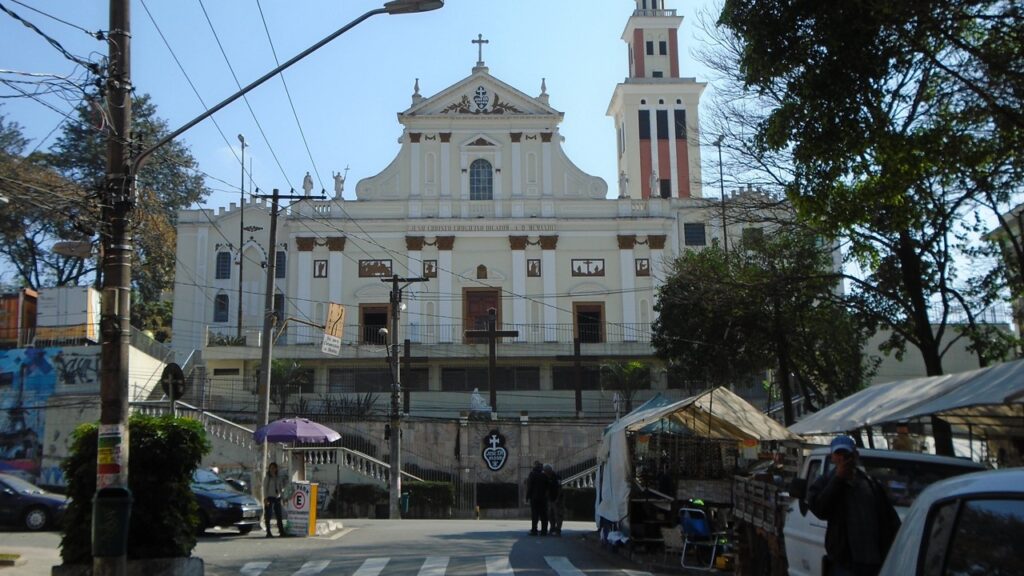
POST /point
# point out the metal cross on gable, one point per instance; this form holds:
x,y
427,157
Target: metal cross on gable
x,y
480,48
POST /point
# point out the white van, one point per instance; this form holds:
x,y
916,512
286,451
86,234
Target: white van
x,y
904,475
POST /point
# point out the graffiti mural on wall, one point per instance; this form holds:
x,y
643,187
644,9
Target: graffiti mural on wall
x,y
27,379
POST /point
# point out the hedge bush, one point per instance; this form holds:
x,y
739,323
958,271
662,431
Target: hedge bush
x,y
429,499
163,454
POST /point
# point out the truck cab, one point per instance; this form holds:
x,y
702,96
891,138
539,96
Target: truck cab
x,y
903,474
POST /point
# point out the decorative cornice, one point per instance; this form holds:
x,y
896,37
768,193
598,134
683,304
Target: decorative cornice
x,y
518,242
548,242
414,137
516,136
305,243
546,136
414,243
627,241
656,241
336,243
446,137
445,242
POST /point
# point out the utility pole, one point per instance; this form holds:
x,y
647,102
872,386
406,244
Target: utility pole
x,y
395,439
267,338
241,236
118,201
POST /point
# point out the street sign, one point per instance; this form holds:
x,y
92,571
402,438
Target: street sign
x,y
335,325
172,381
331,345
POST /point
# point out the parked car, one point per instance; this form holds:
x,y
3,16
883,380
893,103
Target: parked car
x,y
222,505
28,506
904,475
971,524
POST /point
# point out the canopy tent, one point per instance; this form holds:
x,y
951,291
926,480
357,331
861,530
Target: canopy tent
x,y
717,413
990,401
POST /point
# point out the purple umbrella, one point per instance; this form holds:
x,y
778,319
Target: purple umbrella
x,y
295,430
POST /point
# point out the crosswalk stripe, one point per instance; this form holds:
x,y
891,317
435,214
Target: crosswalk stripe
x,y
254,568
562,566
434,566
499,566
372,567
312,568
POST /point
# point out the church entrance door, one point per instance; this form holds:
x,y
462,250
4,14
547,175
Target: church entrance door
x,y
476,304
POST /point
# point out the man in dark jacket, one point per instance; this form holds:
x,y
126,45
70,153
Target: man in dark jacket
x,y
862,523
537,495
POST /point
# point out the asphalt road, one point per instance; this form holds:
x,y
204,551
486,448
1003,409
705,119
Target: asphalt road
x,y
377,548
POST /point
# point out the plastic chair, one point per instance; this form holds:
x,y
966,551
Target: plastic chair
x,y
697,534
673,540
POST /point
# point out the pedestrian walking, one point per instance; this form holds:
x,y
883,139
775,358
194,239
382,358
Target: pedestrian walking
x,y
273,486
862,522
556,501
537,495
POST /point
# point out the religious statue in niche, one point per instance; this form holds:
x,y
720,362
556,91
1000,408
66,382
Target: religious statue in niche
x,y
533,268
643,267
319,268
430,268
374,268
588,267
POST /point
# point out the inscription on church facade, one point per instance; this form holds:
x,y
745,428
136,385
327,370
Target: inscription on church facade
x,y
482,228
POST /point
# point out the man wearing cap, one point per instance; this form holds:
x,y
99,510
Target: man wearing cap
x,y
861,521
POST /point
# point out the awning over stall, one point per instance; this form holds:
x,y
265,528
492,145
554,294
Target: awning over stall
x,y
717,414
989,400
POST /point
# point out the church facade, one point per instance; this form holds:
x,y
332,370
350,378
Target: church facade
x,y
486,223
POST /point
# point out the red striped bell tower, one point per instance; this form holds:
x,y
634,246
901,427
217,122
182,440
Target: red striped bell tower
x,y
655,110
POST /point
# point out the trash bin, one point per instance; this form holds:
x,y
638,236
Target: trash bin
x,y
405,503
111,511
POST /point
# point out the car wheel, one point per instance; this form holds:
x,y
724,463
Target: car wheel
x,y
243,530
36,519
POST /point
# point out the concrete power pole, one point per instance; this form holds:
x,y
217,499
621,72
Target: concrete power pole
x,y
118,201
395,444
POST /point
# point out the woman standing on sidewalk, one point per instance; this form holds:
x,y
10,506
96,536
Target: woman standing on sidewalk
x,y
273,486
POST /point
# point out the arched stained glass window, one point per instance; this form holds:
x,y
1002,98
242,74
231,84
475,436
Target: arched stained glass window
x,y
481,180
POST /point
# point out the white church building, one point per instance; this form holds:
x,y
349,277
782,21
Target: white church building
x,y
481,201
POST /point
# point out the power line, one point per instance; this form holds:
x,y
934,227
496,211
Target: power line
x,y
92,66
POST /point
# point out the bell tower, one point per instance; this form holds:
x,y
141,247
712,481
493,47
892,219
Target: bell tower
x,y
656,111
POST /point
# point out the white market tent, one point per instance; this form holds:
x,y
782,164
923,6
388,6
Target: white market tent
x,y
717,414
989,401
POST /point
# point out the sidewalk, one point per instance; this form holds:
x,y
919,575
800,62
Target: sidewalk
x,y
37,553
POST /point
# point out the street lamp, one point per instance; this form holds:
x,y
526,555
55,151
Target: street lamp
x,y
118,201
721,186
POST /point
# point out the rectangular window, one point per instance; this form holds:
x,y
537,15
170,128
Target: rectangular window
x,y
223,270
279,308
589,322
657,74
416,379
644,121
694,234
564,377
358,380
662,118
281,264
373,317
226,372
517,378
666,188
650,48
680,117
663,47
221,306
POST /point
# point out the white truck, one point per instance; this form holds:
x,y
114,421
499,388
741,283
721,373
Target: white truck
x,y
782,530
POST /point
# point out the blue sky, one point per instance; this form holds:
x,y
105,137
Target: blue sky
x,y
347,94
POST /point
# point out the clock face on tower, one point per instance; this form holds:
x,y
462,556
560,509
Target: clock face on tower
x,y
481,98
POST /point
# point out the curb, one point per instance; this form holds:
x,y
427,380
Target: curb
x,y
9,560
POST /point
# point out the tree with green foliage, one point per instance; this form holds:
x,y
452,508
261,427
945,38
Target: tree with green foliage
x,y
41,208
286,378
168,181
625,379
767,304
903,124
164,453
